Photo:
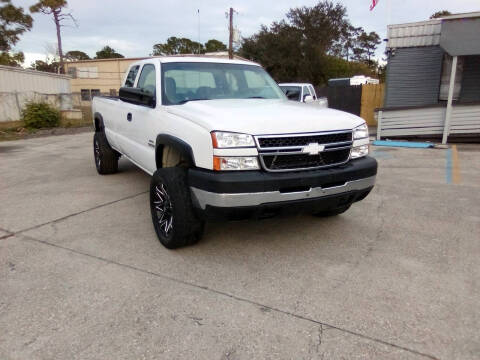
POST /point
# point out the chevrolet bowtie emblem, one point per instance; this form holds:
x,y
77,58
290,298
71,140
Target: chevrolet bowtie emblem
x,y
313,149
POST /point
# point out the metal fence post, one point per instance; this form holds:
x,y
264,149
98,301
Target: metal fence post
x,y
448,115
379,124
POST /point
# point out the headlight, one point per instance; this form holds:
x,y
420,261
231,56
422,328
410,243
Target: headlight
x,y
359,151
222,139
235,163
360,132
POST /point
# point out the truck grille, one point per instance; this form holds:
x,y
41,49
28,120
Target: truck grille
x,y
269,142
304,161
285,152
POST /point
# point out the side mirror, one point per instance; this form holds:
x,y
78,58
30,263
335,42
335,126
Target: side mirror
x,y
137,96
308,98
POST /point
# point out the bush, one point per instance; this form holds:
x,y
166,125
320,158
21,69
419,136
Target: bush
x,y
40,115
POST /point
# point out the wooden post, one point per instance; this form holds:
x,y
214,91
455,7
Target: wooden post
x,y
448,115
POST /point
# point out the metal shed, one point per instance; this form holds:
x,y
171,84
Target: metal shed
x,y
433,74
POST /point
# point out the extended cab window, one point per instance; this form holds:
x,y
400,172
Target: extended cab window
x,y
132,75
146,81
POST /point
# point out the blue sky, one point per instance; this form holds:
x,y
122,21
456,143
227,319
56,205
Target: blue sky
x,y
132,27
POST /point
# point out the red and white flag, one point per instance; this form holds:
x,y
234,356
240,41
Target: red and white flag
x,y
374,3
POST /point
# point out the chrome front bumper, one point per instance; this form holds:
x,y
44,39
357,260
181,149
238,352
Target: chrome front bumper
x,y
203,198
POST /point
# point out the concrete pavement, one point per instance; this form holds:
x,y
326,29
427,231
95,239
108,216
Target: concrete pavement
x,y
82,275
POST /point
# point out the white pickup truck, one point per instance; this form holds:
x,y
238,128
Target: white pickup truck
x,y
221,141
303,92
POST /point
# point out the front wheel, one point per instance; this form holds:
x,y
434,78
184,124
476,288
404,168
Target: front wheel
x,y
173,217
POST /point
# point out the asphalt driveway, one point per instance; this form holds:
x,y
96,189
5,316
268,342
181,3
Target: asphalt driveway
x,y
82,275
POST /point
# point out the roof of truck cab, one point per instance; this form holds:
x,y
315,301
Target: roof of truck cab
x,y
295,84
198,59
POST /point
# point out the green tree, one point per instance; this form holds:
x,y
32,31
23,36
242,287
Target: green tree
x,y
174,46
213,45
366,45
75,55
440,14
56,8
13,23
108,53
15,59
302,47
313,44
46,66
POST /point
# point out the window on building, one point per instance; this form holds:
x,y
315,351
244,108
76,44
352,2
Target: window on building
x,y
87,72
72,71
445,79
113,92
132,75
85,94
95,92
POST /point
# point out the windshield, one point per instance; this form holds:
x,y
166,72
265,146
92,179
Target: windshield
x,y
292,92
183,82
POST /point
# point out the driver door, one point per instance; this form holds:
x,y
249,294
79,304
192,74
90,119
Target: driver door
x,y
142,121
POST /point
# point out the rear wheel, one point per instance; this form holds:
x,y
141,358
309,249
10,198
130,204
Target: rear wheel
x,y
332,212
174,220
106,159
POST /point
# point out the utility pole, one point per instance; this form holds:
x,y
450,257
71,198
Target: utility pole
x,y
230,39
199,43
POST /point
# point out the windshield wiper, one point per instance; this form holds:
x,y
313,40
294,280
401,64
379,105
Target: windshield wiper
x,y
188,100
256,97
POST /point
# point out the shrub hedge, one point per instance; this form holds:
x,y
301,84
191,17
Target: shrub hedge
x,y
39,115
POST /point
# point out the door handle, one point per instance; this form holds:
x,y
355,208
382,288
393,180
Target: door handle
x,y
129,116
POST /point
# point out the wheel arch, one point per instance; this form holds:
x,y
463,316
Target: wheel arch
x,y
98,122
178,144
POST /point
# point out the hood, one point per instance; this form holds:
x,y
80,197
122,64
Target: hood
x,y
264,116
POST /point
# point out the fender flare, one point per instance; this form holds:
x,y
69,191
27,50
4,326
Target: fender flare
x,y
98,122
179,145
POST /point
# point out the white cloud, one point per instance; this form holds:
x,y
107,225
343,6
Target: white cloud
x,y
32,57
133,27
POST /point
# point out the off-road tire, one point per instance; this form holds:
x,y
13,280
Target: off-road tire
x,y
187,228
106,159
333,212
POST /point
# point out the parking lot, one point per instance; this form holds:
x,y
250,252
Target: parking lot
x,y
82,275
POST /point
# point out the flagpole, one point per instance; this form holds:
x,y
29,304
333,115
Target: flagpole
x,y
389,15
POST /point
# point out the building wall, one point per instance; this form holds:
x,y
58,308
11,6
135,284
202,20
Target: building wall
x,y
429,121
19,86
471,79
14,79
104,75
413,76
